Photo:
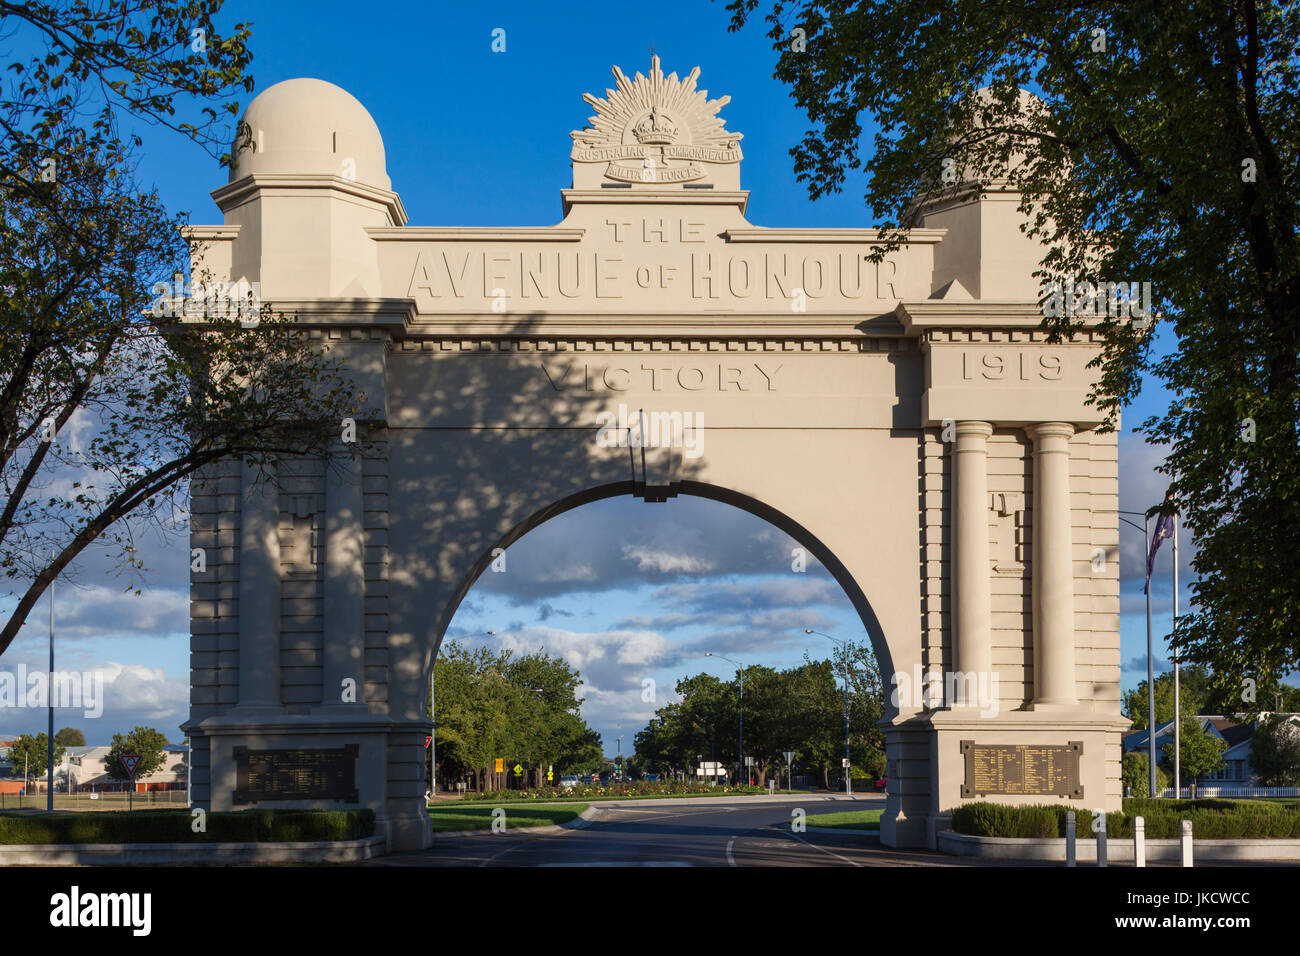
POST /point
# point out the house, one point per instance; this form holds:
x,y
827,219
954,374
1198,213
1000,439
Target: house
x,y
1236,736
87,769
6,743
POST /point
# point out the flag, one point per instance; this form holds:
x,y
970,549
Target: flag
x,y
1164,529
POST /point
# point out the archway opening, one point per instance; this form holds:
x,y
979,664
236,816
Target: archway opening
x,y
662,613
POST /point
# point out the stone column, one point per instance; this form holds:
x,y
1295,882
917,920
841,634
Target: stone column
x,y
970,553
1053,568
344,626
259,588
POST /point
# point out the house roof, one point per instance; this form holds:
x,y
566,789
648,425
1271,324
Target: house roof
x,y
1232,732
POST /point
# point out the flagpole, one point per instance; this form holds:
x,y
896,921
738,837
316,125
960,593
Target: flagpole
x,y
1151,677
1178,780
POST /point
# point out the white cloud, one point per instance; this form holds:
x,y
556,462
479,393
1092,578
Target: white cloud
x,y
94,611
665,562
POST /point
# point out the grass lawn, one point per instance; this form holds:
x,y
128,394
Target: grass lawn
x,y
504,798
850,820
157,800
462,816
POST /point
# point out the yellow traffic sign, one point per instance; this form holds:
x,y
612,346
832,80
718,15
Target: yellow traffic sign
x,y
518,769
501,764
550,775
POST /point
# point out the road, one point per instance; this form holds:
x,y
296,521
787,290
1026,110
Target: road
x,y
687,832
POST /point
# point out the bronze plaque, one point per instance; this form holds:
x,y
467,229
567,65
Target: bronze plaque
x,y
263,775
1022,768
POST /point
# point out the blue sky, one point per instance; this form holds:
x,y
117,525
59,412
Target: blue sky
x,y
481,138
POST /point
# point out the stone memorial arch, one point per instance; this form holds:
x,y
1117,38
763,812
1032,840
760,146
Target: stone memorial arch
x,y
905,422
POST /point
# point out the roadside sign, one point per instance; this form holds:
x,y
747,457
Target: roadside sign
x,y
789,756
129,763
426,742
518,769
501,764
845,763
550,775
749,761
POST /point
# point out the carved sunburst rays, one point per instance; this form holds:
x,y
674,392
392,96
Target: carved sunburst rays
x,y
695,115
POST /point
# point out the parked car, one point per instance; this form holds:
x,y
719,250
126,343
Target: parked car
x,y
881,783
569,781
652,778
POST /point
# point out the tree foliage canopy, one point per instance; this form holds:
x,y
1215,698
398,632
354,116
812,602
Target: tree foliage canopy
x,y
1275,752
119,380
70,737
144,742
1167,151
30,752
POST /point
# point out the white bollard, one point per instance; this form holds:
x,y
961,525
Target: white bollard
x,y
1069,838
1139,841
1187,843
1101,838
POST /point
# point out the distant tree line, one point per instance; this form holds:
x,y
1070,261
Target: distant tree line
x,y
799,709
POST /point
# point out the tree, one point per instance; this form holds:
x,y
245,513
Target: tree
x,y
1134,703
1164,151
521,709
866,710
799,709
29,754
814,717
144,742
1202,752
1275,752
115,387
1135,775
70,737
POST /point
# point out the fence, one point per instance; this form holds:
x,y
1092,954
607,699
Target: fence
x,y
87,800
1207,791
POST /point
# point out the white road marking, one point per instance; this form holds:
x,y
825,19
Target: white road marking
x,y
621,863
731,860
816,847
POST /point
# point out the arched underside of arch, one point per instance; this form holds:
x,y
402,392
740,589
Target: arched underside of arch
x,y
805,538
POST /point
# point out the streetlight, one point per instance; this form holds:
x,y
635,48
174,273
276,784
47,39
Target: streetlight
x,y
49,695
433,724
848,766
741,674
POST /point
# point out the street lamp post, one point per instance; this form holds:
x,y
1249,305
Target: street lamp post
x,y
741,674
848,765
49,695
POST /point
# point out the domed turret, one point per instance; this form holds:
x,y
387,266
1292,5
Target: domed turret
x,y
308,126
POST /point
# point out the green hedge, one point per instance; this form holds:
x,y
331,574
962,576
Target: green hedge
x,y
1211,819
174,826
